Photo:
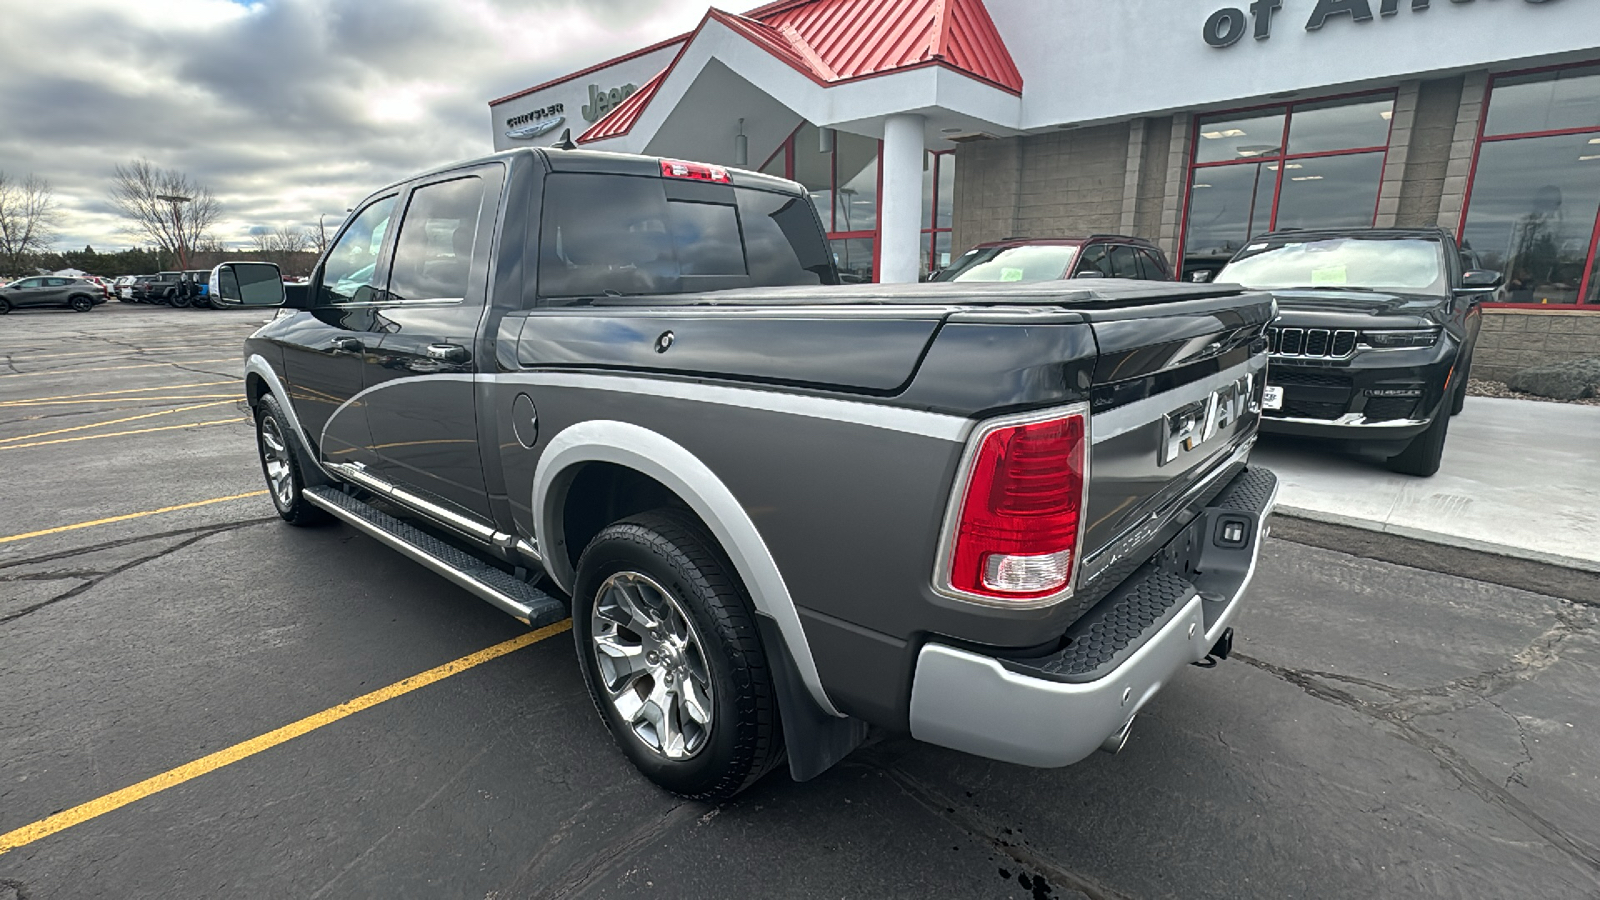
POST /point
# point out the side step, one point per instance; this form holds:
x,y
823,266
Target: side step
x,y
523,601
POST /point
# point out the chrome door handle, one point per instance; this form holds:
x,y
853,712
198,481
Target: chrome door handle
x,y
347,345
453,353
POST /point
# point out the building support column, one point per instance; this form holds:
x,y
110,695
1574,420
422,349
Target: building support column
x,y
1176,196
900,213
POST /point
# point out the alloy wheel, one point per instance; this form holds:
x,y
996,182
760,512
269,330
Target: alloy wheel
x,y
650,659
275,459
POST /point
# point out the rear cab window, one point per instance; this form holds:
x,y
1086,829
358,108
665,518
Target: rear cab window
x,y
622,234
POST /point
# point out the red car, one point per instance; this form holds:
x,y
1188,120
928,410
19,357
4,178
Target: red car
x,y
1047,259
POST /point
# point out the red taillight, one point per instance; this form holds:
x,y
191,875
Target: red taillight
x,y
672,168
1016,536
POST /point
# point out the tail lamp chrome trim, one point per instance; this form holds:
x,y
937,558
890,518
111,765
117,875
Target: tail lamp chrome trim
x,y
942,575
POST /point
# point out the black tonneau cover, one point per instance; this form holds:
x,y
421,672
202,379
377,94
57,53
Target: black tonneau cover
x,y
1101,294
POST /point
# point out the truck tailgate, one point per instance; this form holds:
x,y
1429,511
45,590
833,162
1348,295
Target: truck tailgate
x,y
1176,395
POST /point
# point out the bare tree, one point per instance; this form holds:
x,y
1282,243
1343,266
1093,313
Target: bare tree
x,y
291,240
28,218
262,242
165,206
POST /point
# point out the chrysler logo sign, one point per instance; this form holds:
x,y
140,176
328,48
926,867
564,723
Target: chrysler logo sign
x,y
1227,26
536,128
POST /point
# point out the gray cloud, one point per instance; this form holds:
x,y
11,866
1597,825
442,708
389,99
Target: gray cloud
x,y
286,109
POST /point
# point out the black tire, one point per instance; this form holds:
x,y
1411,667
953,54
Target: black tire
x,y
81,303
1421,457
288,495
1458,399
5,306
742,740
180,300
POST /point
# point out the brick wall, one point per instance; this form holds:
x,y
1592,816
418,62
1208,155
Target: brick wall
x,y
1062,184
1516,339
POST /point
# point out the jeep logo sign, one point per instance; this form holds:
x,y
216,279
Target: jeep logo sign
x,y
1187,427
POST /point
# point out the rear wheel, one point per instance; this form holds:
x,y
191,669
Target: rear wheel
x,y
1421,457
281,466
5,306
81,303
669,649
180,300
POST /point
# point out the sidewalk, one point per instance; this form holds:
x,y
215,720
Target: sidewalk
x,y
1520,478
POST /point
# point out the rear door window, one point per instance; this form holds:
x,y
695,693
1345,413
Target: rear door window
x,y
433,252
1124,262
1151,266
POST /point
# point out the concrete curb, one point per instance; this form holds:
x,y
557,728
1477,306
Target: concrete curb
x,y
1437,537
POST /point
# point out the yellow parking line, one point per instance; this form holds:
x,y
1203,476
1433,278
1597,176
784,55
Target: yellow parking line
x,y
116,400
96,437
187,362
123,518
164,412
81,813
160,387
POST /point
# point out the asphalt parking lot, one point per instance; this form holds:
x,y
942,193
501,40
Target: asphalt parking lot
x,y
1384,729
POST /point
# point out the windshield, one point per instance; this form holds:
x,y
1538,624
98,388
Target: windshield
x,y
1414,266
1037,262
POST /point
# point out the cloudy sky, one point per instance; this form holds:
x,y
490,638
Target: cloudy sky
x,y
286,109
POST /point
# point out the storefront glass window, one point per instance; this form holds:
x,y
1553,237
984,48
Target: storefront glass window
x,y
853,256
1246,182
944,212
1330,191
1340,125
1532,214
1545,101
1227,204
938,204
856,159
1533,209
1227,139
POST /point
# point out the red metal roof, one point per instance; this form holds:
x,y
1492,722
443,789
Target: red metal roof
x,y
832,41
620,120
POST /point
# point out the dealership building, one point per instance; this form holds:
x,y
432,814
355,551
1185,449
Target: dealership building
x,y
924,127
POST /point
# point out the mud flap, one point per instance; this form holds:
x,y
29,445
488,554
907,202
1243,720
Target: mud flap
x,y
814,740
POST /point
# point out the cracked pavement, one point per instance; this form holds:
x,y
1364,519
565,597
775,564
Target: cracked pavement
x,y
1396,721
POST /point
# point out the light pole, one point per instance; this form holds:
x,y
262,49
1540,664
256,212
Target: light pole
x,y
177,227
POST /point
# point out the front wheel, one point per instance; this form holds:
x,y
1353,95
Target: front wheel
x,y
285,482
668,645
180,300
5,306
1422,456
81,303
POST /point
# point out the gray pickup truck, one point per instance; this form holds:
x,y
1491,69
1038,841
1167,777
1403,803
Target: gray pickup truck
x,y
778,510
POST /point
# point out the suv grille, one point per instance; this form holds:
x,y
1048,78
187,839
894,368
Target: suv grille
x,y
1323,343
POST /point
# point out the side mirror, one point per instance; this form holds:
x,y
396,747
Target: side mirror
x,y
1200,277
1481,280
1091,273
250,284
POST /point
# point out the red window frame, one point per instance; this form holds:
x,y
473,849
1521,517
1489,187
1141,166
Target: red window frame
x,y
1282,158
1472,180
787,149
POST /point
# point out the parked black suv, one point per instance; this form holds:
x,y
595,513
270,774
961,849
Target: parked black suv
x,y
1047,259
1374,336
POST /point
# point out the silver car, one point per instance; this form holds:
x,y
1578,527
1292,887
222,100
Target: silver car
x,y
51,290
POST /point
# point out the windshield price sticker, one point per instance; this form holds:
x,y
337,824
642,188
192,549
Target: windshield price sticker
x,y
1010,274
1272,398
